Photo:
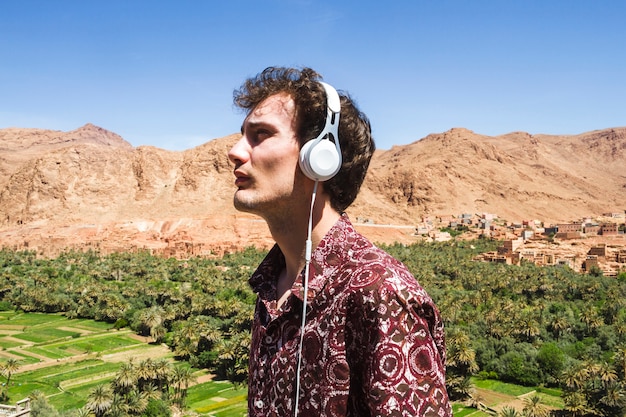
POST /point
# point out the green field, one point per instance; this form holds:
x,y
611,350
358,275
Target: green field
x,y
66,358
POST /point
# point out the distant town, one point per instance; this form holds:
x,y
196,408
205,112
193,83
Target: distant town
x,y
590,245
586,245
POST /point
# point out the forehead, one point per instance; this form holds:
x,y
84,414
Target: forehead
x,y
277,106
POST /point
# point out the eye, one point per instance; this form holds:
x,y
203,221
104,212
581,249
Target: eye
x,y
257,132
261,134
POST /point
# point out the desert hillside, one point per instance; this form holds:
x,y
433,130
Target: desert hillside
x,y
89,187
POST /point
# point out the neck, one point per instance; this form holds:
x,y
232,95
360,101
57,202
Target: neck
x,y
290,233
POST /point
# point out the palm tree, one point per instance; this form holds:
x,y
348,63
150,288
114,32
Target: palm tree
x,y
591,318
620,328
591,369
110,308
528,325
461,355
119,407
82,412
607,375
162,373
460,387
576,404
509,412
158,333
620,360
100,399
559,325
614,397
135,402
614,304
152,318
182,377
145,372
152,392
575,379
184,348
8,368
451,308
534,408
126,378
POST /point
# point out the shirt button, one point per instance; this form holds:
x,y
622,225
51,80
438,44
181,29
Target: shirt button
x,y
268,339
258,404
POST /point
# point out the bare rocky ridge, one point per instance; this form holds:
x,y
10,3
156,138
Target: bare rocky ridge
x,y
90,188
517,176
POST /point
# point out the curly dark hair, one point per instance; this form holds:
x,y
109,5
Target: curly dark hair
x,y
355,133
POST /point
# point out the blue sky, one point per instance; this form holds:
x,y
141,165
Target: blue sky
x,y
162,73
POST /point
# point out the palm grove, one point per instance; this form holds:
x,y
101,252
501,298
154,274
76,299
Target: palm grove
x,y
534,326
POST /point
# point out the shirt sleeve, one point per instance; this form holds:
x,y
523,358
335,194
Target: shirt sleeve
x,y
403,371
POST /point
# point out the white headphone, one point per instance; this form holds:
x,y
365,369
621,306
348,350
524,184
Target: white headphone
x,y
320,158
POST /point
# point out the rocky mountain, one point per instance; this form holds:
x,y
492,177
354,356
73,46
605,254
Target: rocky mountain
x,y
89,187
517,176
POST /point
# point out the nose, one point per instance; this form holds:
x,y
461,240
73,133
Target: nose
x,y
239,153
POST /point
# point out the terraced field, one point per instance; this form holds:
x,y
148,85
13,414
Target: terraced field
x,y
66,358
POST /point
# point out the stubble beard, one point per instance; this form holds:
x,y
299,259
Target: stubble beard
x,y
243,205
276,211
254,205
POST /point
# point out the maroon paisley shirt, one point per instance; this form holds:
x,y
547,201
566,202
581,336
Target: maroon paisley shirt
x,y
373,343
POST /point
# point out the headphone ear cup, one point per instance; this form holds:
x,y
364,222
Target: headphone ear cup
x,y
319,160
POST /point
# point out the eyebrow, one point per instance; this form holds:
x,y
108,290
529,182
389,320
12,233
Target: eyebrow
x,y
256,125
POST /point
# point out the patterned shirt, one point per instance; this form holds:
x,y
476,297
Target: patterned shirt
x,y
373,341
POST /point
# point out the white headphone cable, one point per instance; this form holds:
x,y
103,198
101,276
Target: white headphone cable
x,y
307,262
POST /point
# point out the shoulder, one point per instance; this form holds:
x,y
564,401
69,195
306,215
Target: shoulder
x,y
361,270
381,286
375,271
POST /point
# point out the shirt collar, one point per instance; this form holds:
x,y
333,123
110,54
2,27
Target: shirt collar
x,y
329,255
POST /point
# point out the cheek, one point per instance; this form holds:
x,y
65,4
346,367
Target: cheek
x,y
285,164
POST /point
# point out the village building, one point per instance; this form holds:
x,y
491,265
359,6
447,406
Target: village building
x,y
569,227
527,234
466,219
422,230
569,230
590,262
438,236
445,218
484,224
598,250
551,230
565,262
510,246
614,215
608,229
591,229
529,241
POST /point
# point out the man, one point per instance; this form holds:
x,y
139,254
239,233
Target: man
x,y
372,342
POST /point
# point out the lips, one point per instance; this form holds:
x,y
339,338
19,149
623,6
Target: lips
x,y
241,178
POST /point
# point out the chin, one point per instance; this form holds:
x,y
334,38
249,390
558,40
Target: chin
x,y
243,205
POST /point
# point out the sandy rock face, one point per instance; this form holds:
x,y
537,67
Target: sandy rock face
x,y
90,188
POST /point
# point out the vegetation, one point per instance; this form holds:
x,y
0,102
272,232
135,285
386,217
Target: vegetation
x,y
530,325
548,328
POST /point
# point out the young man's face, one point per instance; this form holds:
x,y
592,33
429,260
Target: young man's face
x,y
266,159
